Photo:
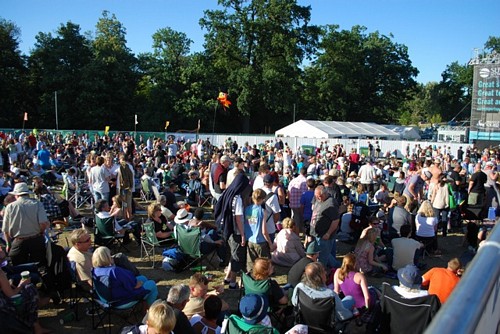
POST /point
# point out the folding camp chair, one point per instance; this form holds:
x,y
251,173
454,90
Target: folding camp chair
x,y
189,241
124,308
318,313
79,291
146,190
396,310
105,235
236,325
149,241
263,288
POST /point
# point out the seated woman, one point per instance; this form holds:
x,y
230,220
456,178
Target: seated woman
x,y
27,311
262,270
288,247
366,261
163,228
352,283
123,285
426,226
118,212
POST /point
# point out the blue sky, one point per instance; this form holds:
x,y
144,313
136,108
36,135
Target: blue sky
x,y
436,32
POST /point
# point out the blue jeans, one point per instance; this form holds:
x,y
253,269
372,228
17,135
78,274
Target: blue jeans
x,y
99,195
326,250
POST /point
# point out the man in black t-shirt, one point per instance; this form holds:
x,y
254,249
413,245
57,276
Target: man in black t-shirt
x,y
297,270
477,190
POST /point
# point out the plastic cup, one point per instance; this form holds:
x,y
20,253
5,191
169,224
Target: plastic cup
x,y
25,275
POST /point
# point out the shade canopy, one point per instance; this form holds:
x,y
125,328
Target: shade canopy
x,y
333,129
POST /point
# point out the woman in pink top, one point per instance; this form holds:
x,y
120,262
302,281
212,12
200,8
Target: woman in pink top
x,y
352,283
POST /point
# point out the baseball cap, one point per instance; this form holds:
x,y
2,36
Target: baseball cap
x,y
312,248
268,178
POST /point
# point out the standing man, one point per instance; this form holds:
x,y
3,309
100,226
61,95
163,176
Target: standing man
x,y
272,206
24,224
220,174
125,185
296,188
324,223
367,175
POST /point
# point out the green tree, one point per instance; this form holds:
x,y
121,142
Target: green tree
x,y
359,76
110,80
422,105
162,86
14,95
257,48
56,65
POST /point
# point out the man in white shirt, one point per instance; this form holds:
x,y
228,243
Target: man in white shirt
x,y
367,175
272,206
405,249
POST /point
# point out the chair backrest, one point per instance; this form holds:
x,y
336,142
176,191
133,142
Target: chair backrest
x,y
146,186
406,315
104,227
236,325
317,313
259,287
149,232
188,240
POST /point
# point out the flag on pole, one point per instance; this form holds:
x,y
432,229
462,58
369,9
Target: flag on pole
x,y
223,100
106,130
25,116
136,122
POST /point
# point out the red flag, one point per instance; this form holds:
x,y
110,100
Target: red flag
x,y
25,116
224,100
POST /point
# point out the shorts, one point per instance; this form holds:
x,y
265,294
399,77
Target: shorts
x,y
127,198
238,253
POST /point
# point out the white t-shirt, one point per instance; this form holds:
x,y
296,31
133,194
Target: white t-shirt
x,y
206,329
272,206
410,294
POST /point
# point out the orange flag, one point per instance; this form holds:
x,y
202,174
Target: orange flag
x,y
224,100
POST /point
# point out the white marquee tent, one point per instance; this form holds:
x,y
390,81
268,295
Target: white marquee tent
x,y
405,132
332,129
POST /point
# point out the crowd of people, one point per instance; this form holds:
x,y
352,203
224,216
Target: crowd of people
x,y
271,204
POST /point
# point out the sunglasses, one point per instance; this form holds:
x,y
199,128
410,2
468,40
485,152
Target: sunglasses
x,y
84,242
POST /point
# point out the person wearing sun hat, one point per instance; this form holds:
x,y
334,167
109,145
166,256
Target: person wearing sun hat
x,y
254,308
183,217
410,281
24,223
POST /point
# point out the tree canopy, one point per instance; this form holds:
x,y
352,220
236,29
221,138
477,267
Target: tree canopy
x,y
265,54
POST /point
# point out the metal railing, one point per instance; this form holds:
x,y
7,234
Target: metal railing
x,y
473,307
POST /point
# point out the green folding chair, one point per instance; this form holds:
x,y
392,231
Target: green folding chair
x,y
263,288
188,241
149,242
105,235
236,325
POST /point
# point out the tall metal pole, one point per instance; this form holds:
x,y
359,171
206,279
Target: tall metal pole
x,y
294,112
55,101
215,114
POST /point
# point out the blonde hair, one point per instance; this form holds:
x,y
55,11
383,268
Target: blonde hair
x,y
152,208
426,209
102,257
258,195
161,317
288,223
